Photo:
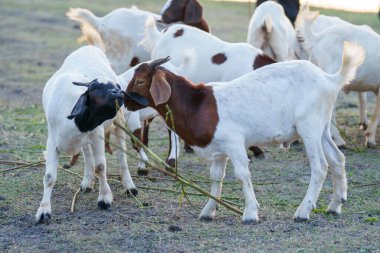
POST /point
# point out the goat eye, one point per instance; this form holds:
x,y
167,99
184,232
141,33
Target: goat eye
x,y
139,82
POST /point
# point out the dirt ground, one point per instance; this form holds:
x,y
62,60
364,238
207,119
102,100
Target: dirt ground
x,y
35,38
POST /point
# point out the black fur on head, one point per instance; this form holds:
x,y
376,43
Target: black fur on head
x,y
98,103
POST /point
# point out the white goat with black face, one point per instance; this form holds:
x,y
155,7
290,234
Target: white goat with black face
x,y
77,118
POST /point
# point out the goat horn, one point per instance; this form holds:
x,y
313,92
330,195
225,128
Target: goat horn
x,y
81,84
158,62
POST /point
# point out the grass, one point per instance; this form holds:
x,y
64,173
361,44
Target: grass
x,y
35,38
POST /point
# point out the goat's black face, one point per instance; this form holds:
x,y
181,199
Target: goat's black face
x,y
99,103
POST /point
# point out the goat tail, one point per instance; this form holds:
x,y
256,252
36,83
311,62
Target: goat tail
x,y
83,16
151,35
353,57
92,36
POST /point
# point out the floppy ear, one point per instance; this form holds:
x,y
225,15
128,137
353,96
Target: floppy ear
x,y
79,106
160,89
193,12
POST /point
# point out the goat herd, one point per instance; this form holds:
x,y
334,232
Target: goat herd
x,y
222,96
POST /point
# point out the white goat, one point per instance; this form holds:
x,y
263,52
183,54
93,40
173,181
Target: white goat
x,y
325,47
76,119
123,28
276,104
270,30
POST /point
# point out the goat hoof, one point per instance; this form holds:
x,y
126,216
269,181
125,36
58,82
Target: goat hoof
x,y
342,147
44,218
363,126
103,205
371,144
66,166
332,212
85,189
300,219
206,218
133,192
250,222
188,149
171,162
142,172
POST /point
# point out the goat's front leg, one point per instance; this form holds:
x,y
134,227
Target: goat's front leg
x,y
217,173
370,133
318,165
174,149
52,155
97,143
122,157
240,162
363,124
89,166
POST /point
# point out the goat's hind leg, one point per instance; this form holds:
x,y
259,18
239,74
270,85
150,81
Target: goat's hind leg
x,y
336,161
370,133
318,164
87,183
217,173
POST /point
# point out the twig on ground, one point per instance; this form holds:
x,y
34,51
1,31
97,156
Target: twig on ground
x,y
25,166
74,201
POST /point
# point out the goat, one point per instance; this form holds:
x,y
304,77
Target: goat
x,y
270,30
217,60
146,115
123,28
286,101
324,48
76,119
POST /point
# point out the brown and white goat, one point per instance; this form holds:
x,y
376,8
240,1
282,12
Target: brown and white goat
x,y
272,105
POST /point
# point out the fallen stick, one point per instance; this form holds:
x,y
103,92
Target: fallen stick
x,y
25,166
74,201
172,173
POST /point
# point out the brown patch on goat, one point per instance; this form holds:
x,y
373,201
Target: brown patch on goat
x,y
219,58
178,33
107,146
187,11
261,61
99,169
134,61
74,159
145,133
257,152
189,104
137,134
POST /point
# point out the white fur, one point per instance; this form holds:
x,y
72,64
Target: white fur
x,y
240,56
270,30
287,101
59,97
121,30
325,48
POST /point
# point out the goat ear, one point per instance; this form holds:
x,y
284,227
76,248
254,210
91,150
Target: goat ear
x,y
193,12
160,89
79,106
